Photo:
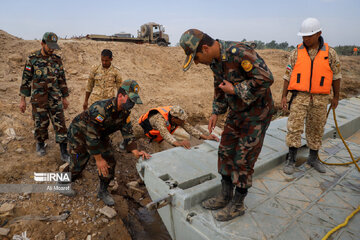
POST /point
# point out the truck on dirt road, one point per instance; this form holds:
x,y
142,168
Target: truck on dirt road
x,y
149,33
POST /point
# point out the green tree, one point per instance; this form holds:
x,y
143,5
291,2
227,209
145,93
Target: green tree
x,y
271,45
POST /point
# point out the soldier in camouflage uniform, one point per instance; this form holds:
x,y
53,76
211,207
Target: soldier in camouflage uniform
x,y
104,80
159,128
89,135
310,103
242,86
44,80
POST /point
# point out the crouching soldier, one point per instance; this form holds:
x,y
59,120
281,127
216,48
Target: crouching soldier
x,y
89,135
160,123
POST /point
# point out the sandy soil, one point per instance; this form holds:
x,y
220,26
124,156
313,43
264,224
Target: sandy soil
x,y
162,82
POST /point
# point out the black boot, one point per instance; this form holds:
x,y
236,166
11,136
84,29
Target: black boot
x,y
289,167
314,161
221,200
234,209
40,148
64,155
103,193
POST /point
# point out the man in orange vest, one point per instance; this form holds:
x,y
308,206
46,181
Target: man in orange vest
x,y
160,123
355,51
313,69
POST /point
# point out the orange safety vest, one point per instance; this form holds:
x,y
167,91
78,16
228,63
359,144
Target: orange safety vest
x,y
151,133
312,76
355,49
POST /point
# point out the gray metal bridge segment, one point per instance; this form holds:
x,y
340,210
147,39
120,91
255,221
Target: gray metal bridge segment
x,y
305,205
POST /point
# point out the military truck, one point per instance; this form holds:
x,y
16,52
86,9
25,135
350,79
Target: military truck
x,y
149,33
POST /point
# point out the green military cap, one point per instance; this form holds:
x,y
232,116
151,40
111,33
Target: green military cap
x,y
51,39
189,41
178,112
132,89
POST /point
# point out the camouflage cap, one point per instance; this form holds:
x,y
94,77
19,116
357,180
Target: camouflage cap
x,y
132,89
189,41
178,112
51,39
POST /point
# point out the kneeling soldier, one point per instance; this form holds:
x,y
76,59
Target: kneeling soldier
x,y
89,135
160,123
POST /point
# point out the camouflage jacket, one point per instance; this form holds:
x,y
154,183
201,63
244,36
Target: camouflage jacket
x,y
247,71
43,79
101,120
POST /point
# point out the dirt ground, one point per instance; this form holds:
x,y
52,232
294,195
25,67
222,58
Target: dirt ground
x,y
162,82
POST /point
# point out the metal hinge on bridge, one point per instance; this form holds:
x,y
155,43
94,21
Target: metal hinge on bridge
x,y
159,203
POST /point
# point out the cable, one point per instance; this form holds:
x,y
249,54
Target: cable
x,y
341,225
345,144
339,164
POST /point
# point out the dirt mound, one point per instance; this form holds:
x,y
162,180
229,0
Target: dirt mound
x,y
162,82
7,37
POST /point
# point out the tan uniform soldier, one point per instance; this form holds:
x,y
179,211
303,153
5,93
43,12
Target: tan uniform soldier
x,y
104,80
313,69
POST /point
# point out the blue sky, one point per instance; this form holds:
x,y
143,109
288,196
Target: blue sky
x,y
263,20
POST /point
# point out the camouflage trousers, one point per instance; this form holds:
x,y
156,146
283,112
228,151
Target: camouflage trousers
x,y
312,109
41,116
240,146
80,155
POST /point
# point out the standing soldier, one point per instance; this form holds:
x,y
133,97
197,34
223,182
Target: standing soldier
x,y
89,135
242,85
313,68
104,80
44,80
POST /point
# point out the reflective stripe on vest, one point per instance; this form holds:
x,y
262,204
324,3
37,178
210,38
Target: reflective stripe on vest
x,y
312,76
151,133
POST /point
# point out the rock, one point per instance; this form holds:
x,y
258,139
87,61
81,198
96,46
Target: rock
x,y
11,133
133,184
2,149
20,150
6,207
64,167
114,187
3,88
108,211
60,236
104,220
4,231
88,237
19,138
112,182
5,141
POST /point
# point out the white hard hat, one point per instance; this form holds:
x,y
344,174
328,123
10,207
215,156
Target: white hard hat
x,y
309,27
